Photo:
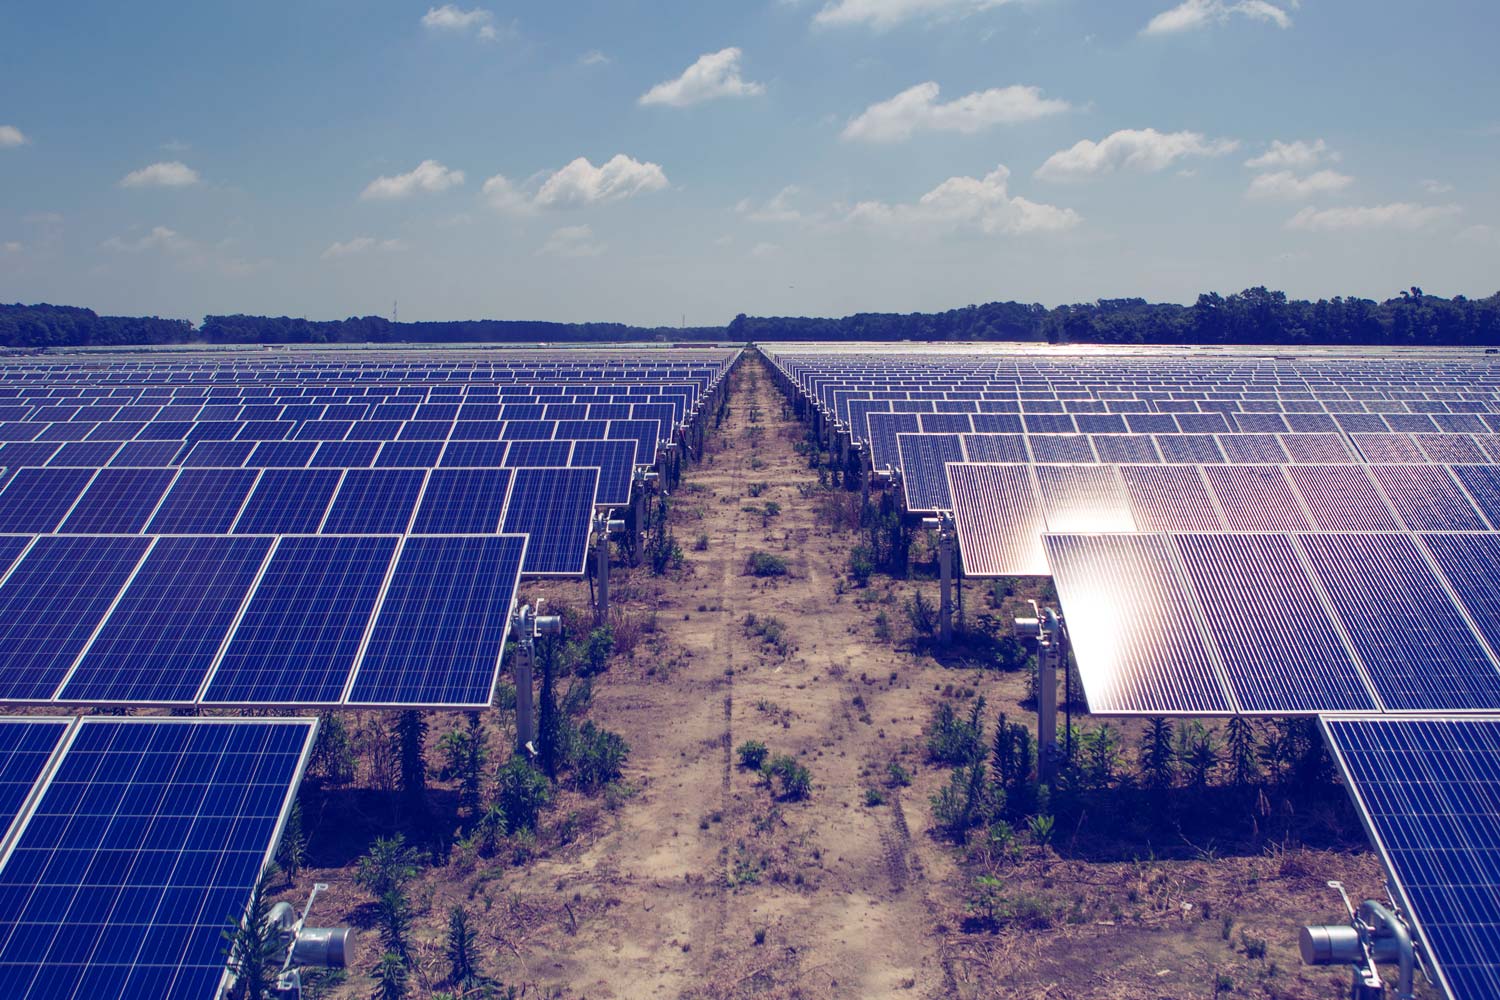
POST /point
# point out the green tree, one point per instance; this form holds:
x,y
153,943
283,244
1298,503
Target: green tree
x,y
1198,750
522,792
388,865
390,978
332,759
395,922
1158,758
291,853
461,947
253,950
411,745
1243,747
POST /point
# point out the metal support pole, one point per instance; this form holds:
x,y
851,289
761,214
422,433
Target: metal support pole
x,y
525,664
1049,650
945,601
637,522
601,612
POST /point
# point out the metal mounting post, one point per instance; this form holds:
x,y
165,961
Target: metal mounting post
x,y
529,625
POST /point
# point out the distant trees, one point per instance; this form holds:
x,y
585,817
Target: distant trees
x,y
1256,315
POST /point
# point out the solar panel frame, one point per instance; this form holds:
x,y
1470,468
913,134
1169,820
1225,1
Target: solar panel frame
x,y
27,747
923,460
549,506
998,518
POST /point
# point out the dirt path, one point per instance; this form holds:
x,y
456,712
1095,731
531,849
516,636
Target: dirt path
x,y
709,887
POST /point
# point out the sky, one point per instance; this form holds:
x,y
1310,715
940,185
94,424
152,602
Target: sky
x,y
659,162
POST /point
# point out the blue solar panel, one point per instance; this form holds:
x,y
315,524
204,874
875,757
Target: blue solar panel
x,y
615,461
118,501
1256,498
409,454
281,455
84,454
301,631
11,546
1428,790
1427,498
995,448
26,746
345,455
554,507
538,454
1279,649
202,502
1415,644
924,474
642,432
1471,564
288,502
374,502
1483,484
219,454
35,500
144,845
50,605
440,631
160,640
463,502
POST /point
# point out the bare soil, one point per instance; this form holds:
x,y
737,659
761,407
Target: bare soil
x,y
702,885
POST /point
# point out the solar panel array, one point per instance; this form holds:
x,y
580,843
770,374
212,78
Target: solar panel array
x,y
1428,790
307,528
135,844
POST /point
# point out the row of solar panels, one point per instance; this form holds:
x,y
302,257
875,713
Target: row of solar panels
x,y
470,498
131,845
1280,624
1001,511
254,620
180,418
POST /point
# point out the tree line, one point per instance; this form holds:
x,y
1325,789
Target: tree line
x,y
1254,316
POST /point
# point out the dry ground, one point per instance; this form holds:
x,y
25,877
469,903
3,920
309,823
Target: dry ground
x,y
702,885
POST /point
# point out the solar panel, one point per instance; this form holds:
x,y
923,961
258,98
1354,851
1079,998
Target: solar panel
x,y
555,508
35,500
1342,498
26,745
142,847
463,502
884,430
300,634
1083,498
52,602
1427,498
1255,498
1170,498
1414,642
374,502
1426,789
538,454
998,519
1125,449
441,628
202,502
1060,448
288,502
1008,448
1471,564
164,633
615,461
1277,644
1132,627
923,475
118,501
11,546
1482,482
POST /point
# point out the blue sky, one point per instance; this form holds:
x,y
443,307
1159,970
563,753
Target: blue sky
x,y
645,161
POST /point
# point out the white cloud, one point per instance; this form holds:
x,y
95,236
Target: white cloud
x,y
1397,215
160,238
571,241
917,109
362,244
1146,150
430,176
882,14
593,58
713,76
11,136
582,183
1191,15
456,20
168,175
578,184
765,249
1436,187
1296,154
978,203
1481,234
1285,185
778,209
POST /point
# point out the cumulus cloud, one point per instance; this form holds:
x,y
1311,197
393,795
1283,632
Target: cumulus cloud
x,y
917,110
765,249
1436,187
713,76
362,244
430,177
1191,15
571,241
167,175
982,203
1297,154
1145,150
593,58
159,238
882,14
578,184
778,209
1287,186
1401,215
11,136
455,20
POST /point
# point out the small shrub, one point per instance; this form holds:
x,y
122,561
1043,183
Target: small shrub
x,y
897,776
861,565
523,791
700,544
794,778
883,627
598,757
922,616
764,564
874,797
756,489
752,754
